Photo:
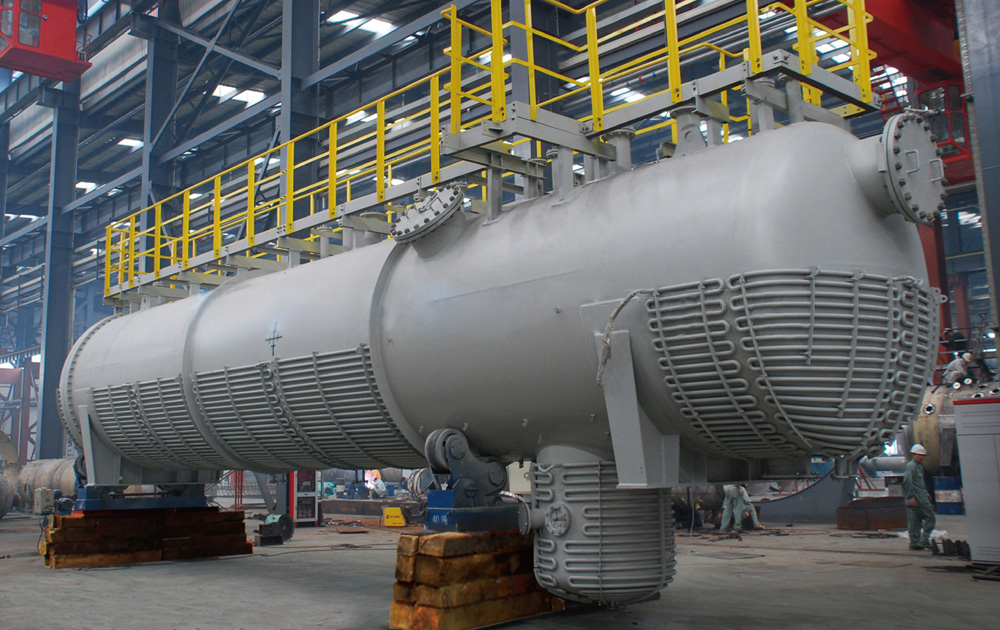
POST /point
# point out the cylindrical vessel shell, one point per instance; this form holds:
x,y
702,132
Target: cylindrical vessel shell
x,y
788,318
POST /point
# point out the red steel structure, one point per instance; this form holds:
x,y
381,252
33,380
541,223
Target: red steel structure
x,y
39,37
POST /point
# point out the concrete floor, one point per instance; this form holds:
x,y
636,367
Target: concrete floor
x,y
815,577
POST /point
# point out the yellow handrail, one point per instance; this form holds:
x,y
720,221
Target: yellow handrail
x,y
170,234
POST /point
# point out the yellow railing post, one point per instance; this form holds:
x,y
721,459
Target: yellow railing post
x,y
673,50
456,72
807,49
435,129
497,74
107,260
289,186
186,230
130,266
860,55
217,217
157,232
380,153
596,93
753,35
530,40
251,202
331,189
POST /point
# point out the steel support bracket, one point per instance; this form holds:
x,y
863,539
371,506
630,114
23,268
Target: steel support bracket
x,y
247,262
645,457
142,26
54,97
365,224
547,127
498,155
785,63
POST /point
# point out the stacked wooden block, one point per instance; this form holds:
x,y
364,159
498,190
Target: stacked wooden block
x,y
93,539
454,581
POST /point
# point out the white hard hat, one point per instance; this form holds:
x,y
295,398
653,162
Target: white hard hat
x,y
918,450
967,357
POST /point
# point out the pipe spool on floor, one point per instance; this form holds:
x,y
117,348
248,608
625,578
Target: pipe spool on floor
x,y
56,474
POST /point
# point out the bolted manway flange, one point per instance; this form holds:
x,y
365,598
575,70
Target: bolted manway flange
x,y
914,176
427,214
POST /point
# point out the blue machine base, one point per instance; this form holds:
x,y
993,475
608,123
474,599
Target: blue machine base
x,y
443,516
95,498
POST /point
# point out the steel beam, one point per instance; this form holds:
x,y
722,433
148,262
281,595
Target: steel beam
x,y
397,35
215,47
979,21
234,121
57,296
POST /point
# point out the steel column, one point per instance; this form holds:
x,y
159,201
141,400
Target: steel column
x,y
21,418
299,106
4,171
57,291
979,21
161,87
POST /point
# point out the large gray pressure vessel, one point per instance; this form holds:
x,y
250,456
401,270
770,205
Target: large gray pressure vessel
x,y
786,314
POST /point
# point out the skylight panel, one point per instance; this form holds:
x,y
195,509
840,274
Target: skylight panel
x,y
351,21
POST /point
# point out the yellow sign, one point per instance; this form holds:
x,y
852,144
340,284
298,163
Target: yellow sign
x,y
393,517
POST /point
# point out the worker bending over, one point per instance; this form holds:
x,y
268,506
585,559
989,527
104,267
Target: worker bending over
x,y
958,369
735,505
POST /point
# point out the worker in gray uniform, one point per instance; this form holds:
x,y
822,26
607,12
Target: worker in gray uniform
x,y
919,512
748,507
732,509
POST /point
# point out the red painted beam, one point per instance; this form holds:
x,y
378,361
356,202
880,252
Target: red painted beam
x,y
937,272
913,39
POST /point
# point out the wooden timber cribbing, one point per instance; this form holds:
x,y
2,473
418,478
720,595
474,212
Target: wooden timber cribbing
x,y
454,581
94,539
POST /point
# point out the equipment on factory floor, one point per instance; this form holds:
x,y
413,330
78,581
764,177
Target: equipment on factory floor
x,y
9,469
304,497
773,307
276,529
6,495
977,421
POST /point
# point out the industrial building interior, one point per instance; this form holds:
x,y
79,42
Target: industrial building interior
x,y
429,315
